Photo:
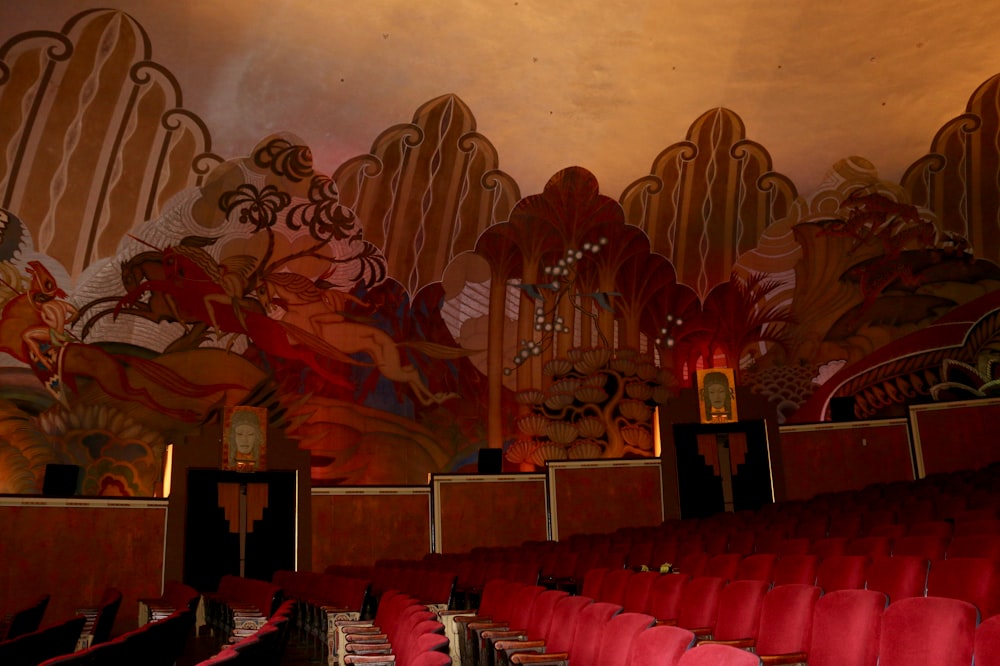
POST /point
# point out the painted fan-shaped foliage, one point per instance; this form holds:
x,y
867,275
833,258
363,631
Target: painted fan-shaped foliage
x,y
432,179
708,199
107,142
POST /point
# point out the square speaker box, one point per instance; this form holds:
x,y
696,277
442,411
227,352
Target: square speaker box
x,y
490,461
842,409
60,480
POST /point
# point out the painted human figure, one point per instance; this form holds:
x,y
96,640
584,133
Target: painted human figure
x,y
245,440
717,396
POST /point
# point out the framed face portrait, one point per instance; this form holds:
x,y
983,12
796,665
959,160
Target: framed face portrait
x,y
717,395
244,439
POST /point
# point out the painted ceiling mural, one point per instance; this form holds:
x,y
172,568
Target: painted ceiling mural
x,y
413,306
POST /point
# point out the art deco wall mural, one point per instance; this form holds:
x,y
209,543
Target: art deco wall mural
x,y
413,306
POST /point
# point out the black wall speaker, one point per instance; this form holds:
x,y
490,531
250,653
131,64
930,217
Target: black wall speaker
x,y
60,480
490,461
842,409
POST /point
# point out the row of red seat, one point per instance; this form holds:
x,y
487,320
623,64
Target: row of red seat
x,y
27,641
25,619
264,646
667,596
784,624
321,599
240,604
157,643
433,586
403,632
45,643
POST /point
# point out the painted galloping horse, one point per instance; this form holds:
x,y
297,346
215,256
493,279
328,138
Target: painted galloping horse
x,y
32,330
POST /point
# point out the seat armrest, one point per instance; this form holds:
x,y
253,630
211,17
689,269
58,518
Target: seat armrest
x,y
487,626
369,659
790,658
366,638
742,643
542,658
469,619
504,634
519,646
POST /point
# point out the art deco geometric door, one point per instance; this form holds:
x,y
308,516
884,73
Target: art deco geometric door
x,y
722,467
238,523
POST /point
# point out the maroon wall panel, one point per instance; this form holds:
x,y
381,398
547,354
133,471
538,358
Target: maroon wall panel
x,y
953,436
74,549
488,510
829,457
599,496
359,525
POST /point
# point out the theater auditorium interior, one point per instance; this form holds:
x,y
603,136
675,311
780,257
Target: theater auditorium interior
x,y
612,334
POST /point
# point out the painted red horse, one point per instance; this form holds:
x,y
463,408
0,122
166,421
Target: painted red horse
x,y
32,330
195,289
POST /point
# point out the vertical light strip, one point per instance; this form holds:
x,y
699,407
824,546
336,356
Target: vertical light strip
x,y
168,469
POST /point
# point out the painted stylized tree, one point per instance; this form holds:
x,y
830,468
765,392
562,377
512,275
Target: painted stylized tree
x,y
586,385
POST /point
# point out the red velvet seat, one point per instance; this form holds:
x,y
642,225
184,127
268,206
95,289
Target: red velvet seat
x,y
986,649
660,645
786,618
613,586
793,546
536,627
699,606
982,526
927,631
938,528
927,546
842,572
665,597
972,579
718,655
871,546
845,628
829,547
27,619
516,616
692,562
738,615
584,644
664,550
759,566
640,554
743,542
974,545
637,591
618,636
795,568
559,634
724,565
44,643
898,577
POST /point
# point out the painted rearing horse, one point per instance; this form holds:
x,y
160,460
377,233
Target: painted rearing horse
x,y
322,310
32,330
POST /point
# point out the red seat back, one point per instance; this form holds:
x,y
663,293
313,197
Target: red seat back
x,y
898,577
986,649
665,596
661,645
845,628
718,655
927,631
618,636
739,610
786,619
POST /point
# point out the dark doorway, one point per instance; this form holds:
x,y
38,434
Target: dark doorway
x,y
212,538
706,480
